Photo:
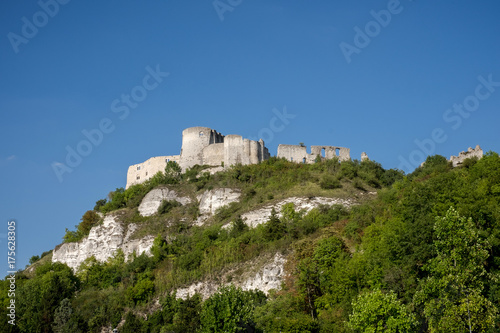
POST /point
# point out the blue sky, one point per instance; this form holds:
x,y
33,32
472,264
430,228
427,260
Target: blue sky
x,y
376,76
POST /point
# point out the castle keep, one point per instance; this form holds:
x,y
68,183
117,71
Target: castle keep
x,y
203,146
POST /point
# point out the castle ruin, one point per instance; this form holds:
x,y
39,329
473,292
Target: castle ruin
x,y
458,160
298,153
203,146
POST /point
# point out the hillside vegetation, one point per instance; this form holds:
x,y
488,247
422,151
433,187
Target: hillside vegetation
x,y
423,255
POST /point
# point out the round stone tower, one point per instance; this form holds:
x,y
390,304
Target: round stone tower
x,y
194,140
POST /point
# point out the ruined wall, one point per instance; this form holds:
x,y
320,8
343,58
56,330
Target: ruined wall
x,y
263,151
299,154
294,153
238,150
344,154
458,160
141,172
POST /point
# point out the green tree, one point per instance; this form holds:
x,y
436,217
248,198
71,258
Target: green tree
x,y
64,322
376,311
99,203
40,296
230,310
34,259
238,227
452,295
172,172
89,219
274,227
159,248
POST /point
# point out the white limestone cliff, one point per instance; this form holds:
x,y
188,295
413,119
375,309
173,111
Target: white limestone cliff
x,y
102,242
152,201
268,277
212,200
255,217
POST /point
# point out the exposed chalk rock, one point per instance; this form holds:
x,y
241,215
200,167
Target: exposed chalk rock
x,y
152,201
212,200
268,277
259,216
102,242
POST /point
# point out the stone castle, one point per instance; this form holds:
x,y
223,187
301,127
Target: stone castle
x,y
205,146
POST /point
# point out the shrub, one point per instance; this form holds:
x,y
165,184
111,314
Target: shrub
x,y
34,259
329,182
167,205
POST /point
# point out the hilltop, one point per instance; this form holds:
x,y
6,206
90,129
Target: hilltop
x,y
279,246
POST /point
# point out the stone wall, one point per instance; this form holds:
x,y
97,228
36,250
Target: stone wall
x,y
458,160
297,153
139,173
213,154
203,146
294,153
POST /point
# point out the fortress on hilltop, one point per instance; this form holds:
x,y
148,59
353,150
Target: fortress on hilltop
x,y
205,146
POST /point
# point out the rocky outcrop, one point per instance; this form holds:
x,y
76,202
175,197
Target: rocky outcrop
x,y
267,278
102,242
212,200
259,216
149,205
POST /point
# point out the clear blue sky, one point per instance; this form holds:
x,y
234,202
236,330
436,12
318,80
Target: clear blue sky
x,y
71,72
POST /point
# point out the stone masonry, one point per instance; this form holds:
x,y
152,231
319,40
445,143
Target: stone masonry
x,y
202,146
298,153
205,146
458,160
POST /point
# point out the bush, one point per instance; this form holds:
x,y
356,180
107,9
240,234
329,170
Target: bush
x,y
329,182
141,291
274,227
167,205
34,259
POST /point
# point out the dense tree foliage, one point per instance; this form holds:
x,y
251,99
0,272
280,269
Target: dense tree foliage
x,y
423,255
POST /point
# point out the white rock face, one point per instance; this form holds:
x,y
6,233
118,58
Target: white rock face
x,y
102,242
259,216
152,201
269,277
212,200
